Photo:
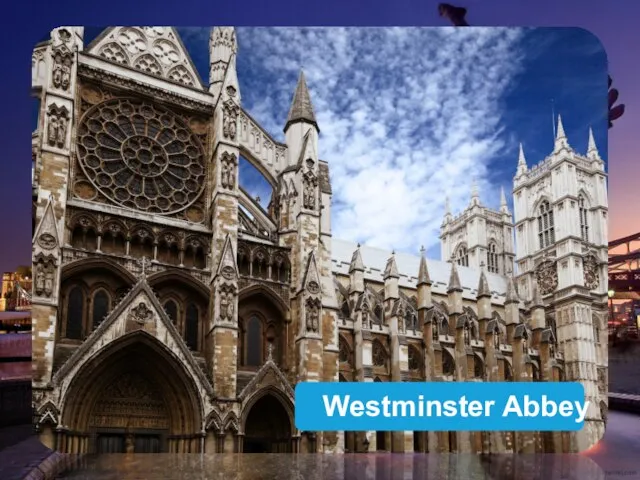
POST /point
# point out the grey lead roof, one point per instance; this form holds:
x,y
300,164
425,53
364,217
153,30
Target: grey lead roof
x,y
375,260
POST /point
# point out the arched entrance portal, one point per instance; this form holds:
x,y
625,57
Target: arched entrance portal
x,y
135,397
267,428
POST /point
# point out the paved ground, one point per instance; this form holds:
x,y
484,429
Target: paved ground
x,y
20,452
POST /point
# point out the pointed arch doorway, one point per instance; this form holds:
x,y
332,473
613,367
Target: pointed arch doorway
x,y
267,427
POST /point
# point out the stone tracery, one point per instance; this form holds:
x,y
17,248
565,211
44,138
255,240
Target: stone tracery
x,y
141,157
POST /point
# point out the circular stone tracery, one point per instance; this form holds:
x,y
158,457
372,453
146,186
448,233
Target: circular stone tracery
x,y
140,156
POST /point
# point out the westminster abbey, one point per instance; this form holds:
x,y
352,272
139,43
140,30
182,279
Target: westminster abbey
x,y
173,313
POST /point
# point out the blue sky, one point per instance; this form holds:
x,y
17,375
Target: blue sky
x,y
409,116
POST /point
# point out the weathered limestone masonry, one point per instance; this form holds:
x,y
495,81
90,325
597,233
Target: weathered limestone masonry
x,y
55,81
173,312
223,330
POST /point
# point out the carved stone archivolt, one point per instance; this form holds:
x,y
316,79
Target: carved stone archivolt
x,y
57,125
61,71
141,156
591,274
547,277
228,168
230,112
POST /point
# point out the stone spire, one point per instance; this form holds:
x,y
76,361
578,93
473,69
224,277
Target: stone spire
x,y
454,279
512,294
483,284
475,194
561,137
522,162
356,261
504,208
301,107
222,45
447,211
391,270
592,149
423,272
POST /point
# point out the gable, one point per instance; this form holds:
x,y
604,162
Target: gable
x,y
139,311
153,50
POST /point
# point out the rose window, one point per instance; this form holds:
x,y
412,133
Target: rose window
x,y
141,157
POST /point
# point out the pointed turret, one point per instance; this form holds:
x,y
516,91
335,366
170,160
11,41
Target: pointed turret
x,y
511,304
475,194
222,44
454,279
483,284
447,211
504,208
522,162
561,137
356,272
423,271
391,277
301,108
592,149
511,295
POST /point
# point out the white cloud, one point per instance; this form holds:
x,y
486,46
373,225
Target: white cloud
x,y
407,117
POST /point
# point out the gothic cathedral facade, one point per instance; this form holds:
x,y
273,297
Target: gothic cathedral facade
x,y
173,313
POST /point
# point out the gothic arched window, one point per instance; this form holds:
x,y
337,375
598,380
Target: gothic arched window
x,y
462,256
492,258
191,327
344,351
379,355
584,219
100,307
75,314
414,358
448,364
254,342
172,311
478,367
508,372
546,230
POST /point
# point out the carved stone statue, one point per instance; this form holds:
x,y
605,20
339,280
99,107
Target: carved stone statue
x,y
230,306
313,317
227,173
496,340
229,120
52,131
48,281
365,318
309,197
62,132
66,74
224,306
40,278
467,335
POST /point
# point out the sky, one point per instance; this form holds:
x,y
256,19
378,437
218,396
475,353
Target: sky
x,y
612,22
411,116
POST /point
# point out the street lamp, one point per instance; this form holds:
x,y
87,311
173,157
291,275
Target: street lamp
x,y
611,293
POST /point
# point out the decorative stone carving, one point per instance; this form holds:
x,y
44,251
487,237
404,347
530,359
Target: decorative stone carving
x,y
467,334
140,314
312,313
310,184
228,272
313,287
47,241
547,277
58,121
591,274
61,72
230,113
227,303
156,164
228,171
366,316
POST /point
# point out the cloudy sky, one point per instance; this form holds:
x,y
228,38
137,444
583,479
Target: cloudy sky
x,y
409,116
